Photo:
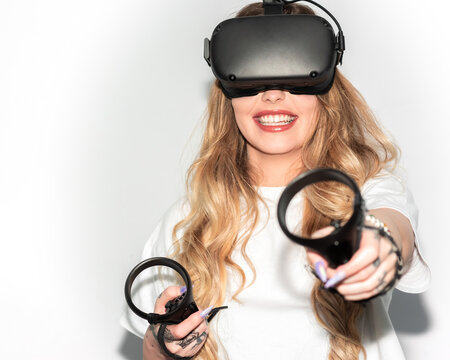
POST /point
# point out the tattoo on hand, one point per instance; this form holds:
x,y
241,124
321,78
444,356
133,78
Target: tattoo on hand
x,y
199,339
185,342
381,281
168,337
377,262
194,337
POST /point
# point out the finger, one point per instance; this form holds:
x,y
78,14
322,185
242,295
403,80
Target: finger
x,y
385,249
374,292
375,283
168,294
363,274
181,330
191,343
318,265
202,332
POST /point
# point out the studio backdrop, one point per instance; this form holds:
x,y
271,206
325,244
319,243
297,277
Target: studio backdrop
x,y
101,107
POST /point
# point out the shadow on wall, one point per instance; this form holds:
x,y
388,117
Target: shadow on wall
x,y
408,313
131,346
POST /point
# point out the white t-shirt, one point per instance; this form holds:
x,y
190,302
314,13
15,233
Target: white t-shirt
x,y
274,319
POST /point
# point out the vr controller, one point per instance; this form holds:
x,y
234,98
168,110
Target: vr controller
x,y
177,309
339,246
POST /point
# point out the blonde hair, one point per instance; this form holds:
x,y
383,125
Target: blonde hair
x,y
346,137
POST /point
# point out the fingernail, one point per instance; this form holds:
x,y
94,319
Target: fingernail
x,y
338,277
183,289
319,267
205,312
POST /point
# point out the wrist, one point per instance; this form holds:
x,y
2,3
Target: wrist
x,y
372,222
151,347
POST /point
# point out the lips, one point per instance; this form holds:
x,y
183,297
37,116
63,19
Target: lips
x,y
275,120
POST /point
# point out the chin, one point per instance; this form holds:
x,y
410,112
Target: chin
x,y
282,149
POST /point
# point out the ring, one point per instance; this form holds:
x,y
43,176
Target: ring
x,y
377,262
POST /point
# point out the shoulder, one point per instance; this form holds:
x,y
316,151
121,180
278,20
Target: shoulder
x,y
161,240
389,190
384,182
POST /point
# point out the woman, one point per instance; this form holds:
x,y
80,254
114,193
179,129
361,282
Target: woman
x,y
227,236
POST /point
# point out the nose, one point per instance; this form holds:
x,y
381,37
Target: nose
x,y
272,96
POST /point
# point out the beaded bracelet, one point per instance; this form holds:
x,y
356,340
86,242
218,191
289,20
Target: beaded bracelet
x,y
383,230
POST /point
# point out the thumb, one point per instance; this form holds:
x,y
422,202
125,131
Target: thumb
x,y
318,263
316,260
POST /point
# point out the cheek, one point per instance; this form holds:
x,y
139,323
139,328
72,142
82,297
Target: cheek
x,y
245,127
309,104
242,108
309,126
309,107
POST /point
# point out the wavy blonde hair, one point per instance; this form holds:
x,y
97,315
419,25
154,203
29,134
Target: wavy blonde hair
x,y
223,201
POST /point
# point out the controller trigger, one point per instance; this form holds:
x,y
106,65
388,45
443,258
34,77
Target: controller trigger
x,y
173,304
214,312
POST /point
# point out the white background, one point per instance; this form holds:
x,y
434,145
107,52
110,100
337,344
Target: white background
x,y
100,108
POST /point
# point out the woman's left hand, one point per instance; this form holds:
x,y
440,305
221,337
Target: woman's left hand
x,y
371,268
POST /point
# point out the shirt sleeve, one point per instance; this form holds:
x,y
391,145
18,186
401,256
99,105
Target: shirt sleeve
x,y
390,191
151,282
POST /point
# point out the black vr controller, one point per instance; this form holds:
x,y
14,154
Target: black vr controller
x,y
339,246
177,309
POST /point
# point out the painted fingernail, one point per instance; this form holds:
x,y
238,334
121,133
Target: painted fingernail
x,y
205,312
338,277
319,267
183,289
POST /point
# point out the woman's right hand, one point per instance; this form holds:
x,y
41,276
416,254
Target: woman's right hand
x,y
184,339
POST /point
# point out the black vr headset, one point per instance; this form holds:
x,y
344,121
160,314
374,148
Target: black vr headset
x,y
297,53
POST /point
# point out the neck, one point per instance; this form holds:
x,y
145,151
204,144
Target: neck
x,y
274,170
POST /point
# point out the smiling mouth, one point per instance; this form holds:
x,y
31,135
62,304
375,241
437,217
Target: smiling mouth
x,y
275,120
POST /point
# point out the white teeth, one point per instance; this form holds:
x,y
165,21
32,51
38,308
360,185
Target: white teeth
x,y
281,119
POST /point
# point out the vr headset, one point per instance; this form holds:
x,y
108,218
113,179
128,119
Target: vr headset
x,y
297,53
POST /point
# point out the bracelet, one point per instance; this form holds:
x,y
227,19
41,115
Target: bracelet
x,y
383,230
